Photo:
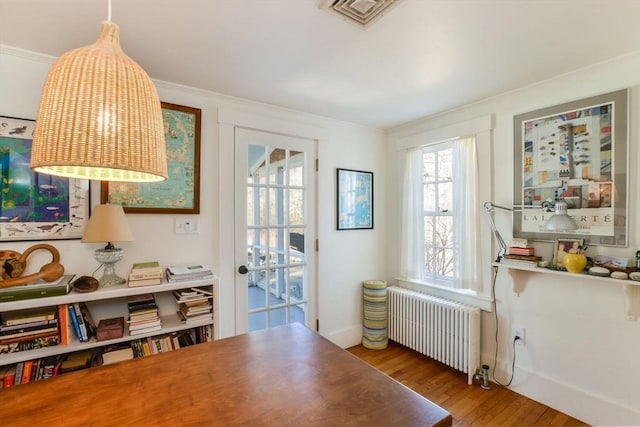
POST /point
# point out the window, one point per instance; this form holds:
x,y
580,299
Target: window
x,y
438,212
440,215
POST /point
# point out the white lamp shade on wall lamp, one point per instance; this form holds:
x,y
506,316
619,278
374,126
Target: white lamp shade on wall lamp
x,y
560,221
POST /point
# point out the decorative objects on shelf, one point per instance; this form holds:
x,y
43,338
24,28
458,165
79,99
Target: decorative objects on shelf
x,y
108,224
99,116
574,263
599,271
13,264
563,247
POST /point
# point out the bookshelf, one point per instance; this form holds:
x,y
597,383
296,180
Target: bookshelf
x,y
106,303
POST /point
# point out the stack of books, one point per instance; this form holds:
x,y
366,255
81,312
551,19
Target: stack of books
x,y
28,329
181,273
520,253
145,274
143,314
195,304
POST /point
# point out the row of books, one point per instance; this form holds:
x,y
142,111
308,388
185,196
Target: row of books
x,y
157,344
169,342
51,366
80,319
46,367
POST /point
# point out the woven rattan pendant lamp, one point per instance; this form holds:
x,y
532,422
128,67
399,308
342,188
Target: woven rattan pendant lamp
x,y
100,117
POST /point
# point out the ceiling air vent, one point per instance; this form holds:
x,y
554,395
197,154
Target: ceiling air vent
x,y
362,12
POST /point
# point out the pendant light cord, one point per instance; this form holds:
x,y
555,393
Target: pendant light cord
x,y
109,10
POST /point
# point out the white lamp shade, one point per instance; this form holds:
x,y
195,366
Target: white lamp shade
x,y
108,223
560,221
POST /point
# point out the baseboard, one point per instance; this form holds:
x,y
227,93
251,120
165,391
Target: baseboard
x,y
580,404
346,337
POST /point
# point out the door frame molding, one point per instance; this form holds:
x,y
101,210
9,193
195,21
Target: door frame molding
x,y
228,119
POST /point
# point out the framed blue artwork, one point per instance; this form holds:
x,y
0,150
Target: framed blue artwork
x,y
35,206
355,199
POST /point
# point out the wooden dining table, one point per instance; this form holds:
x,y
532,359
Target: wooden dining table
x,y
282,376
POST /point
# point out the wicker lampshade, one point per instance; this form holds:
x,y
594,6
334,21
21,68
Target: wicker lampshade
x,y
100,117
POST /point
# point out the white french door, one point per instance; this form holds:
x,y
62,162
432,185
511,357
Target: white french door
x,y
274,229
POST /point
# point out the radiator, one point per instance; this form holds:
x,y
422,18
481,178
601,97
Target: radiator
x,y
446,331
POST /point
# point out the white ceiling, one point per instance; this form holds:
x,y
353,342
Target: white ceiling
x,y
421,58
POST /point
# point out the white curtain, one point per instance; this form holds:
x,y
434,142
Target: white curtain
x,y
467,218
412,242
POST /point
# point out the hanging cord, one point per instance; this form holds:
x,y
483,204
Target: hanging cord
x,y
94,271
495,312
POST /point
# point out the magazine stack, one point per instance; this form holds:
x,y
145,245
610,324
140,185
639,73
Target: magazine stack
x,y
182,273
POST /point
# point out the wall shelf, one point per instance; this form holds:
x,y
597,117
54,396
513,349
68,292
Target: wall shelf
x,y
630,288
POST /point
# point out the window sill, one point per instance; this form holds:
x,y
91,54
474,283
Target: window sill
x,y
483,302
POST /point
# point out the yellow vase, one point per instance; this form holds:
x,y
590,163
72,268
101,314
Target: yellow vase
x,y
574,263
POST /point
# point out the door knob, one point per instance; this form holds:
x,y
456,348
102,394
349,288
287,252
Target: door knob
x,y
243,269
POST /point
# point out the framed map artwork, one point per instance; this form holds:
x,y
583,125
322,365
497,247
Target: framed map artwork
x,y
35,206
355,200
180,193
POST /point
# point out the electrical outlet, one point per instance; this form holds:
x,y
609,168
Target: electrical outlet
x,y
519,332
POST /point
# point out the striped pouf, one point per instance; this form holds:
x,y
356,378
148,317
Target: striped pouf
x,y
374,314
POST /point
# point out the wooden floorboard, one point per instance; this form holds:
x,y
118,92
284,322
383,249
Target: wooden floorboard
x,y
469,405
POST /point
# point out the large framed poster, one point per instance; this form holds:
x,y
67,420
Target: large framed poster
x,y
35,206
577,152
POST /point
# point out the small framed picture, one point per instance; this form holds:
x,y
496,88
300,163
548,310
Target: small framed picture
x,y
355,200
566,246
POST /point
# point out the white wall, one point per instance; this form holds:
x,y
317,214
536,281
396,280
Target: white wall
x,y
345,258
581,354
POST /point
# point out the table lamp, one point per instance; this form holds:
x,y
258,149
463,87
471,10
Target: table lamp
x,y
108,223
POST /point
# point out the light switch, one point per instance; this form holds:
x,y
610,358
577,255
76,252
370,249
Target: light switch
x,y
187,226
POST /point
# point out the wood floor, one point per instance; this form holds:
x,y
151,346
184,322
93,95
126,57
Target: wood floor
x,y
468,405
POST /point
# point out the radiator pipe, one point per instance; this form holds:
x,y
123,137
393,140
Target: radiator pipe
x,y
482,376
